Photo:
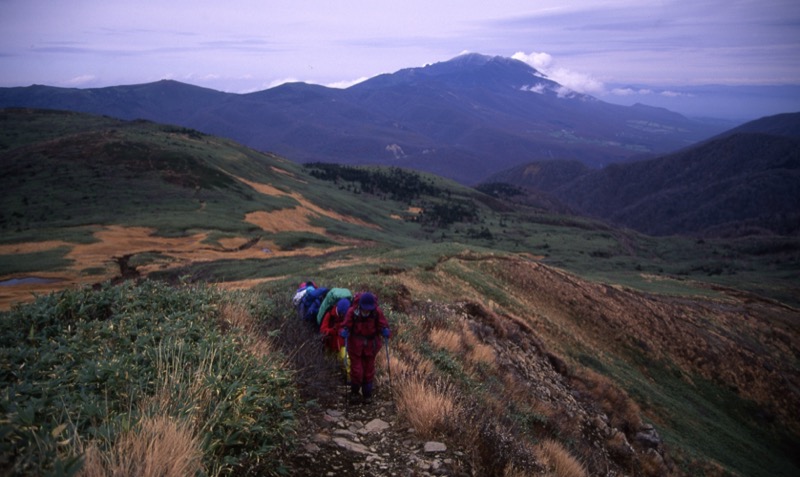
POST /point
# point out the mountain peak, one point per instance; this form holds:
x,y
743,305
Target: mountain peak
x,y
472,59
468,70
479,59
476,61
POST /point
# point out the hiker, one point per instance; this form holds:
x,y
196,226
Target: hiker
x,y
331,298
330,328
311,303
298,300
363,328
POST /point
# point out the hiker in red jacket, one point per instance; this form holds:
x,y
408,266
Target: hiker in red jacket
x,y
330,328
363,327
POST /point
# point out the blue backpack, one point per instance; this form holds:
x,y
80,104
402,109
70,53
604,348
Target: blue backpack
x,y
310,304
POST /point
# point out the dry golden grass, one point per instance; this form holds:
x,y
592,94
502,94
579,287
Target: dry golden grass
x,y
558,461
424,367
653,465
237,315
408,361
159,446
446,339
623,412
512,471
479,353
115,240
427,407
399,368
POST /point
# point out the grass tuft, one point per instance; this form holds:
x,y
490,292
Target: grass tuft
x,y
623,412
426,406
558,461
446,339
158,446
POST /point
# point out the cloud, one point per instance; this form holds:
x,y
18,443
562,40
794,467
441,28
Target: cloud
x,y
278,82
540,61
630,92
577,82
347,84
538,88
80,80
202,77
646,92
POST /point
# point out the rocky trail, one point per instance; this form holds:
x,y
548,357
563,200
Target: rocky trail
x,y
369,440
340,437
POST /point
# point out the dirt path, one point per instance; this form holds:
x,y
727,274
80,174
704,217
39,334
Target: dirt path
x,y
355,439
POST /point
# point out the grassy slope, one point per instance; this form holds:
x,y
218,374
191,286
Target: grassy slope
x,y
65,173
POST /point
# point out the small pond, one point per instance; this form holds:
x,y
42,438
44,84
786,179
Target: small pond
x,y
27,281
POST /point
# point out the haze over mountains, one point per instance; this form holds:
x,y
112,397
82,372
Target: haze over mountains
x,y
465,119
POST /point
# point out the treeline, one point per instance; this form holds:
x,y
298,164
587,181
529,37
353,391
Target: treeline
x,y
393,183
438,207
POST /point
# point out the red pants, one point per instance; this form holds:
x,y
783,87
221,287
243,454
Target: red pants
x,y
362,352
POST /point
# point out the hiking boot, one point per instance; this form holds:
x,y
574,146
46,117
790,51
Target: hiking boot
x,y
355,395
366,390
354,398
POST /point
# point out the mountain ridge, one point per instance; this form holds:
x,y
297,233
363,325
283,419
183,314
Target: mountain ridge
x,y
739,182
462,119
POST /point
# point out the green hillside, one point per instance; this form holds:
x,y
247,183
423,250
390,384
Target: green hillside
x,y
538,330
741,183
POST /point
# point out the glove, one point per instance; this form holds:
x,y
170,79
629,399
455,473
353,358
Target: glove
x,y
344,333
385,332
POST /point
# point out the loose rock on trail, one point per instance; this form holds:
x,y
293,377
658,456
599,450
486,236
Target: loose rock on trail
x,y
337,437
364,440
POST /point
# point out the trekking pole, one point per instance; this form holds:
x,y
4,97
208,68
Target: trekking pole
x,y
389,367
346,374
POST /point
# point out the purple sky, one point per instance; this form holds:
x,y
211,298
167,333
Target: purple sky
x,y
592,46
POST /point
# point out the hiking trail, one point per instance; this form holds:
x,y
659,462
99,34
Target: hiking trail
x,y
337,437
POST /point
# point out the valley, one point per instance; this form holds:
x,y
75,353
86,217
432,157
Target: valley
x,y
632,354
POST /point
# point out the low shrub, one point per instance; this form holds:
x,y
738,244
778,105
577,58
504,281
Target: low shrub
x,y
84,371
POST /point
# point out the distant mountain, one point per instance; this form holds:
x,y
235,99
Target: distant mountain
x,y
465,119
778,125
740,103
744,181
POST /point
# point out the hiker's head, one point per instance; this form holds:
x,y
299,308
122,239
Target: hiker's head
x,y
342,306
367,302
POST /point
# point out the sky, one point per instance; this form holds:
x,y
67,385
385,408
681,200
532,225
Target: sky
x,y
618,50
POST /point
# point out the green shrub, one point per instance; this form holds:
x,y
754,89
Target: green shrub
x,y
84,366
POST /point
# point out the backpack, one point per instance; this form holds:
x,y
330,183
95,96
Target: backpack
x,y
311,303
331,299
299,297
